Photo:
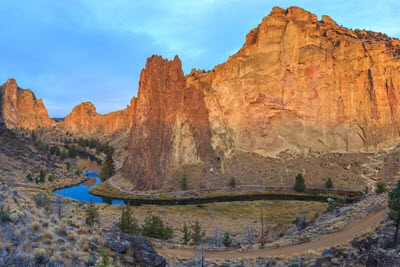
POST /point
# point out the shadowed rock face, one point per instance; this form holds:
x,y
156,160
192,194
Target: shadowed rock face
x,y
297,83
20,108
170,125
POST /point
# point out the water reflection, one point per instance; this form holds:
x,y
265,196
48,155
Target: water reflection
x,y
81,192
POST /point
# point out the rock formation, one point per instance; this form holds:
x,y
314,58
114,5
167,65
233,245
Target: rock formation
x,y
20,108
85,121
296,84
170,125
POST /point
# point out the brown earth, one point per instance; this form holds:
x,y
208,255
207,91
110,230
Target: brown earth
x,y
349,232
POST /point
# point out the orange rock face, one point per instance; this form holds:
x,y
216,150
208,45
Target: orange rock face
x,y
20,108
85,121
297,83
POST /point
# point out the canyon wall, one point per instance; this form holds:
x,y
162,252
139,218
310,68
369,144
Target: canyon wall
x,y
85,121
20,108
297,84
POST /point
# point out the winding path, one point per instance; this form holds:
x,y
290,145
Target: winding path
x,y
349,232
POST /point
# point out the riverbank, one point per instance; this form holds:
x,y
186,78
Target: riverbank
x,y
224,194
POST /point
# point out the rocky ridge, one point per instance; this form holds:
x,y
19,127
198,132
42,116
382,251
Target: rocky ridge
x,y
20,108
297,84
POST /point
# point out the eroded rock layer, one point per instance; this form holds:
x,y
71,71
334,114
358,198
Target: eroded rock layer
x,y
297,84
170,125
85,121
20,108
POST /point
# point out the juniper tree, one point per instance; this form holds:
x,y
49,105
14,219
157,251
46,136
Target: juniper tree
x,y
186,234
72,151
154,227
394,207
92,213
128,223
184,183
107,168
226,240
299,185
197,235
329,183
41,176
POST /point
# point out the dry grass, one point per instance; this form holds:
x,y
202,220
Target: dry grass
x,y
62,229
83,230
46,235
45,224
35,226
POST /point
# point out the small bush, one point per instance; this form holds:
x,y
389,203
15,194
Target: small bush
x,y
128,223
3,215
186,234
380,188
154,227
184,182
232,182
29,176
42,200
197,235
329,183
226,240
299,185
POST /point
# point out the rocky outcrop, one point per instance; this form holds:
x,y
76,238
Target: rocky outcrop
x,y
20,108
297,84
84,120
142,250
170,125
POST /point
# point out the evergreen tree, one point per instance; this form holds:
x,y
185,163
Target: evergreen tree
x,y
57,151
299,185
72,151
232,182
107,168
329,183
29,176
41,176
394,207
154,227
380,188
197,234
128,223
63,155
36,180
226,240
68,166
184,183
92,214
186,234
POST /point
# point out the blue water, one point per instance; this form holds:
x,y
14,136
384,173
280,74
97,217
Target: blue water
x,y
81,192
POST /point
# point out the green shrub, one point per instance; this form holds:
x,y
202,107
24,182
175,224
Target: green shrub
x,y
92,214
299,185
186,234
184,182
197,235
226,240
380,188
29,176
232,182
128,223
154,227
329,183
3,215
107,168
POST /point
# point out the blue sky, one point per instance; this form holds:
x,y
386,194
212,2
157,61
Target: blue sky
x,y
72,51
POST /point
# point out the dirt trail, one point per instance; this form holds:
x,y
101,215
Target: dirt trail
x,y
349,232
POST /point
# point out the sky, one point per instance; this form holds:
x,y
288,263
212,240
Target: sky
x,y
74,51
